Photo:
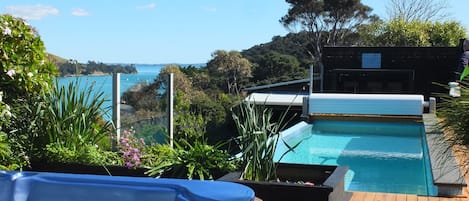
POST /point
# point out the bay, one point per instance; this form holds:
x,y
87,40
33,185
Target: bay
x,y
146,74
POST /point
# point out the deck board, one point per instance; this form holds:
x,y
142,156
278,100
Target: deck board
x,y
380,197
420,198
389,197
412,198
357,196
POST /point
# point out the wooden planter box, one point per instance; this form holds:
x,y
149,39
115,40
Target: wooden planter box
x,y
328,183
86,169
100,170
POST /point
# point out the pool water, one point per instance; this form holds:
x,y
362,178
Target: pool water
x,y
381,156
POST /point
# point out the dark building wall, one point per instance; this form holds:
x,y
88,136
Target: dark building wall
x,y
411,70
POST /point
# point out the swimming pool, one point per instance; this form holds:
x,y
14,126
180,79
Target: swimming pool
x,y
389,157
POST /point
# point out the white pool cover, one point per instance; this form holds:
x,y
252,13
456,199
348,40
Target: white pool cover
x,y
366,104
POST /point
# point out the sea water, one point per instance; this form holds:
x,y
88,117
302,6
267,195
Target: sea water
x,y
146,74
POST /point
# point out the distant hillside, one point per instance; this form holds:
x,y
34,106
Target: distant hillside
x,y
66,68
56,60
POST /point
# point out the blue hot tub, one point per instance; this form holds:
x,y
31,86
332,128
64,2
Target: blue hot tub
x,y
34,186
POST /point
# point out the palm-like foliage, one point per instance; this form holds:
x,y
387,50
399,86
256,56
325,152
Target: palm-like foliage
x,y
456,116
73,117
455,120
258,138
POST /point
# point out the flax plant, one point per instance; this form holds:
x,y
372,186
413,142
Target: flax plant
x,y
258,139
455,121
74,117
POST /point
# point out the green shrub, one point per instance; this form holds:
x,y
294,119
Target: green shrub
x,y
5,154
192,161
87,154
24,74
189,126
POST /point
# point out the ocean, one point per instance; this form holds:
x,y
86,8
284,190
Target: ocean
x,y
146,74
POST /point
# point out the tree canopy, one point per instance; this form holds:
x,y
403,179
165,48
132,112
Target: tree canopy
x,y
417,10
327,22
274,66
232,67
399,32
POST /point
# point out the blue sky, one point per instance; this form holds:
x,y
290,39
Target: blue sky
x,y
160,31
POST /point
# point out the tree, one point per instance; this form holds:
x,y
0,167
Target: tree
x,y
398,32
149,98
231,67
328,22
446,33
291,44
420,10
274,65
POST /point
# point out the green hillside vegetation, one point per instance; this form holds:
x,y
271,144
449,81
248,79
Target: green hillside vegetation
x,y
56,59
67,67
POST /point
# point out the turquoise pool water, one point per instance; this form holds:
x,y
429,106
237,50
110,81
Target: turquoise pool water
x,y
381,156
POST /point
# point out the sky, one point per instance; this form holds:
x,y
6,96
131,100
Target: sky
x,y
161,31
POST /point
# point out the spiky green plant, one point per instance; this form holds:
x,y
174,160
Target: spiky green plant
x,y
258,139
454,116
73,117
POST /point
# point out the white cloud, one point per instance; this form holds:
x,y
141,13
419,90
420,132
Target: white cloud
x,y
148,6
32,12
80,12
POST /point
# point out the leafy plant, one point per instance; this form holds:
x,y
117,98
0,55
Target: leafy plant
x,y
72,123
5,152
454,121
189,126
258,139
455,116
88,154
193,161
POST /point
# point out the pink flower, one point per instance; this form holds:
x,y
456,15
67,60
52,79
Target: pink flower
x,y
135,157
129,164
